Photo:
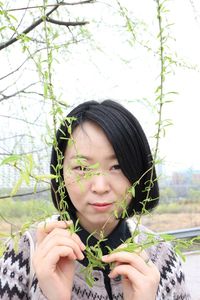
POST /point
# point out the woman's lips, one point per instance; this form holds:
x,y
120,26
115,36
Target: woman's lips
x,y
101,206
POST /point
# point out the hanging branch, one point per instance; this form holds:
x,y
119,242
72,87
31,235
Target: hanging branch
x,y
160,91
160,95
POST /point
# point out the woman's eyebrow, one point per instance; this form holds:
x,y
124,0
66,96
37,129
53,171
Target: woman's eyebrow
x,y
79,156
111,156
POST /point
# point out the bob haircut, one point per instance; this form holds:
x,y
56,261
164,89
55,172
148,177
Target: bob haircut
x,y
130,146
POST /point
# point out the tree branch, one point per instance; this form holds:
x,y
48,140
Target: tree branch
x,y
24,153
50,5
25,194
22,120
4,97
38,50
16,136
57,22
28,29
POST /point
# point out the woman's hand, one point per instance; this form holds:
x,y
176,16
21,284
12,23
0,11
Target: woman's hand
x,y
54,259
140,277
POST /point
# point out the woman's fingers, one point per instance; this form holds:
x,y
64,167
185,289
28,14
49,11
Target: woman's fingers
x,y
66,234
138,276
52,258
44,228
61,238
47,230
133,259
128,272
56,234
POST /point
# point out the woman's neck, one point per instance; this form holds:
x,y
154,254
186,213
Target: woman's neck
x,y
100,231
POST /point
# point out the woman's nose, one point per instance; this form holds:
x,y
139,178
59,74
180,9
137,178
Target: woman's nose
x,y
100,183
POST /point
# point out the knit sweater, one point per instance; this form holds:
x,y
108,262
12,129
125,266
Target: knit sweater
x,y
16,281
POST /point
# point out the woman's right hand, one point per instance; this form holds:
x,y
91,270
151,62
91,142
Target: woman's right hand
x,y
54,259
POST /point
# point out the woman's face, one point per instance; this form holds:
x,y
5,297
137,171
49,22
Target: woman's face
x,y
95,183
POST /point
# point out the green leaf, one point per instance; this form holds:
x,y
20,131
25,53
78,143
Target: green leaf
x,y
95,166
30,161
132,190
16,186
35,187
167,237
13,17
116,213
45,90
26,177
10,159
45,176
179,253
2,28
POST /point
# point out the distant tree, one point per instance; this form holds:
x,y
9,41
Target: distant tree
x,y
193,195
167,194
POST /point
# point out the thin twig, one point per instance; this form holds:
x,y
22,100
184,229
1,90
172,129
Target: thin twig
x,y
50,5
4,97
15,136
24,153
25,194
22,120
62,23
5,220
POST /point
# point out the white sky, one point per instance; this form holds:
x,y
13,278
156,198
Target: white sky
x,y
104,75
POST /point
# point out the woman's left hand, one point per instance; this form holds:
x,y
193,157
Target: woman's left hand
x,y
140,277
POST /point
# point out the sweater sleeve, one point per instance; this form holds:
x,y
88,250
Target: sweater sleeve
x,y
172,284
172,279
14,271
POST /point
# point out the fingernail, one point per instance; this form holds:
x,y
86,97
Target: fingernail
x,y
69,222
83,247
81,256
104,257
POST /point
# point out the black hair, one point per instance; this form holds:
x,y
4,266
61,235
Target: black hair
x,y
129,143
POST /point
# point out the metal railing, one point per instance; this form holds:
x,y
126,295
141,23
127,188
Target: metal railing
x,y
185,233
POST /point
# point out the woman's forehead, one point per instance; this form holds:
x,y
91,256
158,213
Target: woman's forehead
x,y
89,140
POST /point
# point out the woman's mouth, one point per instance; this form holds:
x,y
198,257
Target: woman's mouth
x,y
101,206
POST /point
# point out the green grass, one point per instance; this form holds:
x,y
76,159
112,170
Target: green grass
x,y
178,207
23,211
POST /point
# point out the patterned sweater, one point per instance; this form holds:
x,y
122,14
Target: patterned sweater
x,y
16,281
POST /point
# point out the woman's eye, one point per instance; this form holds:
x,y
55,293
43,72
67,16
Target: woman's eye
x,y
116,167
81,168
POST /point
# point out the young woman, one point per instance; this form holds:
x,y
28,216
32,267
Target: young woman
x,y
103,176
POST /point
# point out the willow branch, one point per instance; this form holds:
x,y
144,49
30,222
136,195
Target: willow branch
x,y
27,30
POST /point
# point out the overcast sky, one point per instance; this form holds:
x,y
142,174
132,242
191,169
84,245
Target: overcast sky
x,y
130,74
